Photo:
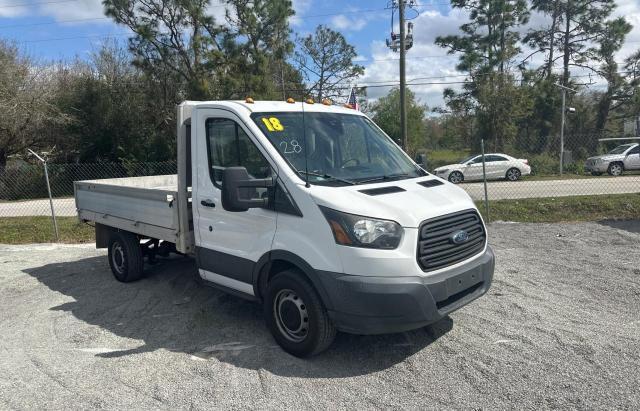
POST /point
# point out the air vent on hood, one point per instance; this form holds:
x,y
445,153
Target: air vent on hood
x,y
382,190
431,183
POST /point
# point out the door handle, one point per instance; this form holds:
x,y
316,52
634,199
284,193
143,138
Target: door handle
x,y
208,203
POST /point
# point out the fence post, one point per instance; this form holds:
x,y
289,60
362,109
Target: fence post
x,y
46,179
484,178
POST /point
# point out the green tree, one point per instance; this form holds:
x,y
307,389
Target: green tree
x,y
262,46
326,59
487,47
489,41
28,112
177,35
385,114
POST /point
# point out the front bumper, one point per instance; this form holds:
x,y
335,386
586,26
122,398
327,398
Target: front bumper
x,y
378,305
600,167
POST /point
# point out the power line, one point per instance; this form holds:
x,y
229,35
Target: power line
x,y
36,4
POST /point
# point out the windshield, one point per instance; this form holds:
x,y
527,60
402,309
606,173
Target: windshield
x,y
339,148
467,159
620,149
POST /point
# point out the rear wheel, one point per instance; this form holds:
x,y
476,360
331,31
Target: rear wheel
x,y
456,177
615,169
296,316
125,256
513,174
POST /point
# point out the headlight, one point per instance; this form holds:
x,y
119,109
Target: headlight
x,y
359,231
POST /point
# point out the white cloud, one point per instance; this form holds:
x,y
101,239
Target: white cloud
x,y
74,10
300,7
8,9
342,22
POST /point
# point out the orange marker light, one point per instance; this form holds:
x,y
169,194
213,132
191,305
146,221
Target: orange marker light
x,y
348,105
326,102
249,100
310,101
290,100
339,233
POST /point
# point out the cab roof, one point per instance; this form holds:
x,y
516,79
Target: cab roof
x,y
260,106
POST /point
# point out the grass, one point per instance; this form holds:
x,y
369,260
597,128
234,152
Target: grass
x,y
438,158
24,230
565,209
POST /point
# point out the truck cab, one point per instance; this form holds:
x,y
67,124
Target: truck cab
x,y
314,212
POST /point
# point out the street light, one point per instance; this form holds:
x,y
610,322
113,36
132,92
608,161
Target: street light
x,y
564,93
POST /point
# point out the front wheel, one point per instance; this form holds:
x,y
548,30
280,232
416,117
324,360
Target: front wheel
x,y
615,169
456,177
296,316
513,174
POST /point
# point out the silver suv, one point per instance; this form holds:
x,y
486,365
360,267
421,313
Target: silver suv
x,y
621,158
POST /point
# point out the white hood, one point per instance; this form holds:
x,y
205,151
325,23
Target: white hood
x,y
408,208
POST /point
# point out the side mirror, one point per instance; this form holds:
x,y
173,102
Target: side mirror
x,y
238,190
421,160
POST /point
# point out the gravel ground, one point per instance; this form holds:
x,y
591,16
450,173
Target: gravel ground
x,y
559,329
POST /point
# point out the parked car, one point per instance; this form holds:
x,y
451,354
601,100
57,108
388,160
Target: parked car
x,y
616,161
308,209
497,166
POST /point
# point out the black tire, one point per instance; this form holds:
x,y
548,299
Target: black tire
x,y
456,177
513,174
596,173
125,256
615,169
289,299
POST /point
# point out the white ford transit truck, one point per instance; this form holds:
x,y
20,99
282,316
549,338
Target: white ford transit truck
x,y
310,210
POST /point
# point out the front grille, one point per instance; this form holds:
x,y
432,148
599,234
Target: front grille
x,y
436,248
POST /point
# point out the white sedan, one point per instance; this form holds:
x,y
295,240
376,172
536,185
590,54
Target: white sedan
x,y
497,166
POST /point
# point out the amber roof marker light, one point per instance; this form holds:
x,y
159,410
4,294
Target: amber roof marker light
x,y
249,100
310,101
327,102
290,100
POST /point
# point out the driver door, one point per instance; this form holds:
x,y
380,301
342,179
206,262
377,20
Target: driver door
x,y
632,159
228,244
473,171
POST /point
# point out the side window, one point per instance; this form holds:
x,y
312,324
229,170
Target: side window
x,y
498,158
230,146
635,150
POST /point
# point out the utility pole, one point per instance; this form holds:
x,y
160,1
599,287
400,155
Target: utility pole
x,y
564,112
403,79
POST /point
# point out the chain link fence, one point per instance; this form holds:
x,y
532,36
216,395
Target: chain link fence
x,y
23,188
590,167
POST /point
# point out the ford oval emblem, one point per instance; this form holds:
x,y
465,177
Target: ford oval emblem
x,y
460,237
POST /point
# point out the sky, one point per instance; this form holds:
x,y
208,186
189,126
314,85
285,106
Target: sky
x,y
64,29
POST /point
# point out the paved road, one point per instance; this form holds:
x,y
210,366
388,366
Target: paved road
x,y
501,190
498,190
559,329
64,207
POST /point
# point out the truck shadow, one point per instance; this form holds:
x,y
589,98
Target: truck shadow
x,y
169,309
632,226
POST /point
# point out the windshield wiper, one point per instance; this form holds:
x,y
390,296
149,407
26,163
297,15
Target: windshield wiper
x,y
382,178
328,177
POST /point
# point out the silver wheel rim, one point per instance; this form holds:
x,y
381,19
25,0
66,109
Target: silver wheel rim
x,y
512,175
616,170
291,315
117,257
455,178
